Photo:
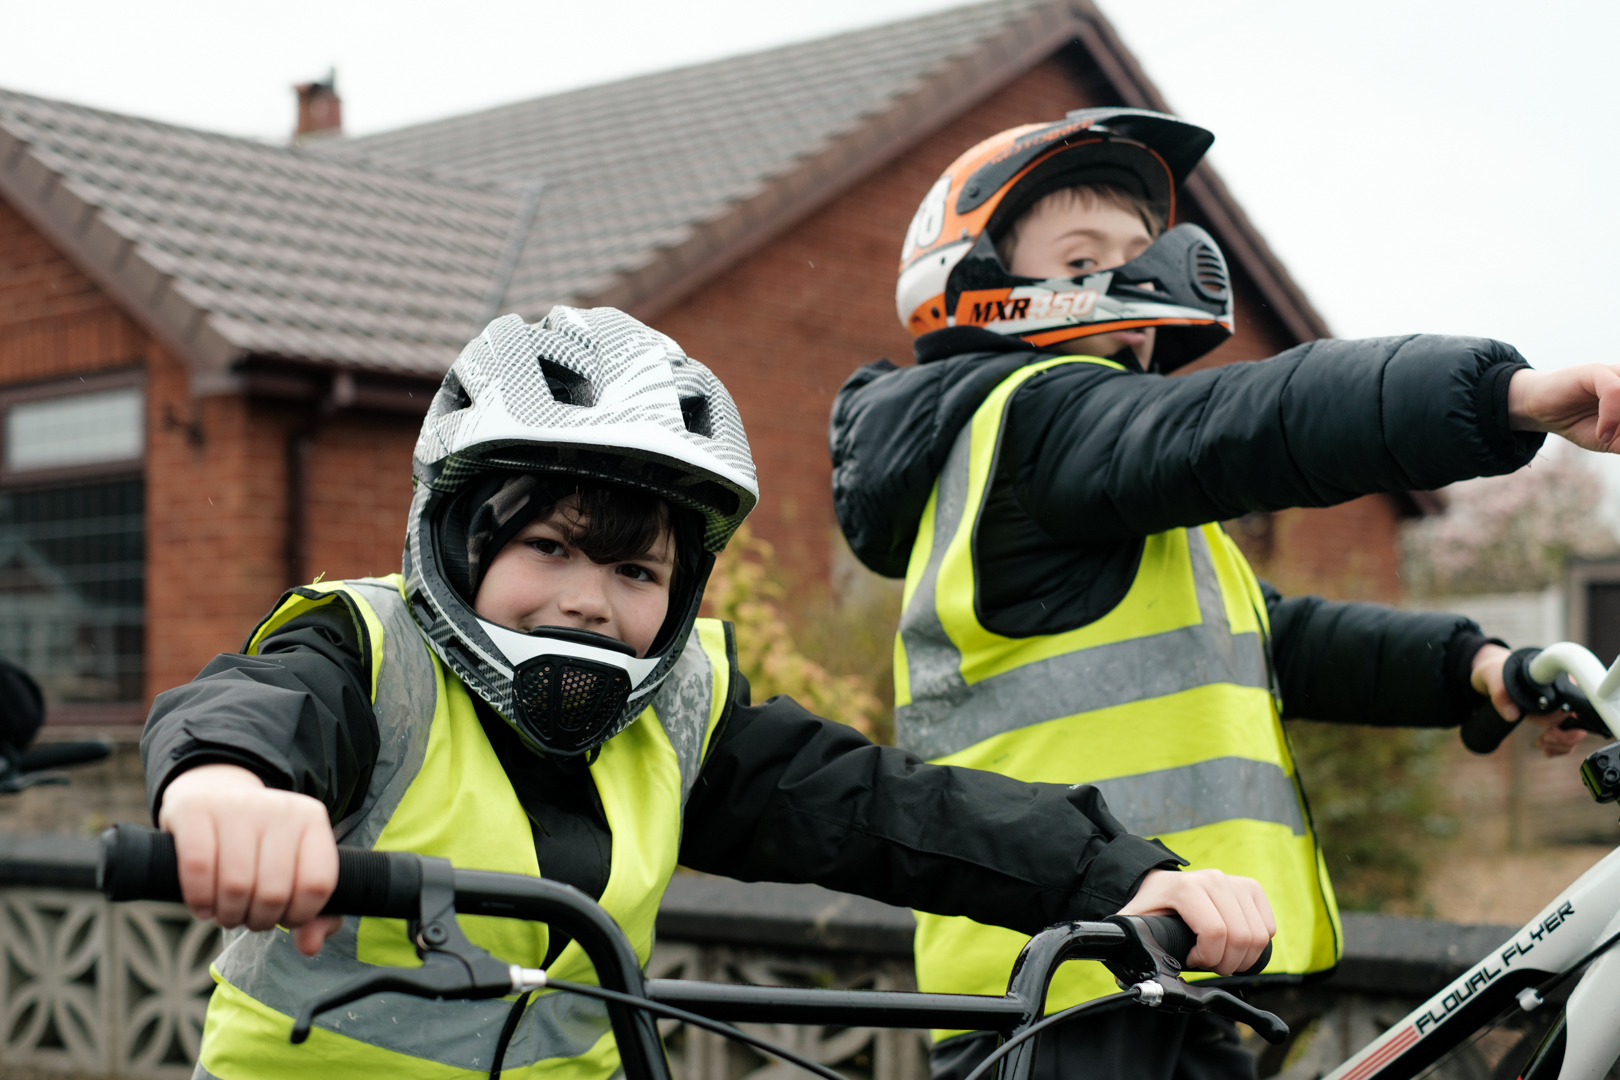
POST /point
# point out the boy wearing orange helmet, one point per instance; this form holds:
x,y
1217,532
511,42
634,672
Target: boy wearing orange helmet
x,y
1073,613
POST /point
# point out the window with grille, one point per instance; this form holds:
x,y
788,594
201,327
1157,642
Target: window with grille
x,y
72,547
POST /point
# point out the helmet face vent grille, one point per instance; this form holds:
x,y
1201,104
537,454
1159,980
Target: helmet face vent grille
x,y
1209,274
563,703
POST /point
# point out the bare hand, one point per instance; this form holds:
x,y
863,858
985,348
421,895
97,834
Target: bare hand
x,y
1487,679
1230,915
251,856
1580,403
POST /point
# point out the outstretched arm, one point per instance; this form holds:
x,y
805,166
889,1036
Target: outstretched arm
x,y
1097,455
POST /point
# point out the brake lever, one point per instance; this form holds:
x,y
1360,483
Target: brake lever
x,y
12,783
1155,975
1561,695
452,967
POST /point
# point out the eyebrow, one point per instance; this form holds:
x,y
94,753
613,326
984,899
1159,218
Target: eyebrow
x,y
1090,234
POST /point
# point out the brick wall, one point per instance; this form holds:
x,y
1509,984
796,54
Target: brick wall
x,y
215,466
53,319
360,490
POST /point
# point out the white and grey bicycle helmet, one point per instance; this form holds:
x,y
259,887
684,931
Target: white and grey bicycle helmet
x,y
590,396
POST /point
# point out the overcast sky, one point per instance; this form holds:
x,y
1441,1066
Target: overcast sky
x,y
1441,165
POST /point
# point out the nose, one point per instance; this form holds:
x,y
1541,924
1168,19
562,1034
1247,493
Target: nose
x,y
585,596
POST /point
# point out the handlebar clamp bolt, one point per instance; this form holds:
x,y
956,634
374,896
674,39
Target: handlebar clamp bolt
x,y
435,933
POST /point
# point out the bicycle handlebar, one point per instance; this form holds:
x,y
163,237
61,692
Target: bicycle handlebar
x,y
61,755
1554,691
140,864
1146,952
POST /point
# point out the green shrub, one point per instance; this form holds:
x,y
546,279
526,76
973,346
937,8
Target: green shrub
x,y
1376,800
744,590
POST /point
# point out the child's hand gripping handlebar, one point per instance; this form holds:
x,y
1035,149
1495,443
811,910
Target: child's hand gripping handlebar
x,y
139,864
1552,691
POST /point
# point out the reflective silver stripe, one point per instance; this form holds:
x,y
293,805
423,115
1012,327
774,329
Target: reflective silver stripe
x,y
682,707
933,662
458,1033
1220,789
947,715
406,698
462,1034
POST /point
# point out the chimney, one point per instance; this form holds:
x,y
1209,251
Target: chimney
x,y
320,110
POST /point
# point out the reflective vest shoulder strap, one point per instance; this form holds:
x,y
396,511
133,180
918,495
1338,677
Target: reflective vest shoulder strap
x,y
405,685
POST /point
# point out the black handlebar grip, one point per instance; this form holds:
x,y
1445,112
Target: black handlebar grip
x,y
140,864
1176,938
1485,729
61,755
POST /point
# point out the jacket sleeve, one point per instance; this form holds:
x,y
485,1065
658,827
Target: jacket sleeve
x,y
298,714
1371,664
1105,455
787,796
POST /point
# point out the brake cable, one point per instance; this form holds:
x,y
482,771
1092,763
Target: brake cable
x,y
1571,971
658,1008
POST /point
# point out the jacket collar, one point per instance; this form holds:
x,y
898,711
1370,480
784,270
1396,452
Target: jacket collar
x,y
957,340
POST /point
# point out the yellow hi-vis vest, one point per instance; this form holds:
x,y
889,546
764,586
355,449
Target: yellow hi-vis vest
x,y
1165,704
438,789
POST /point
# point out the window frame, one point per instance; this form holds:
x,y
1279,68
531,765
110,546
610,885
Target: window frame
x,y
1579,574
119,715
14,479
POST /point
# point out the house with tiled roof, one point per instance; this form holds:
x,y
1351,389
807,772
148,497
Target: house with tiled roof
x,y
214,352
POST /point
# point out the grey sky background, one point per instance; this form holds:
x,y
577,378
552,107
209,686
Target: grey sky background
x,y
1440,166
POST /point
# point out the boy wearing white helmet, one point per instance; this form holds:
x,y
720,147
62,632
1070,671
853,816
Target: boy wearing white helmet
x,y
1074,612
536,694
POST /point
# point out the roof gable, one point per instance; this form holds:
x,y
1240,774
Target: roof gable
x,y
224,246
647,177
387,252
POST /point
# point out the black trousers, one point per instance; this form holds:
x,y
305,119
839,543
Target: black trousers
x,y
1122,1044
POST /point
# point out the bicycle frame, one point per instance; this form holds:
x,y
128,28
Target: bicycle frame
x,y
1586,1040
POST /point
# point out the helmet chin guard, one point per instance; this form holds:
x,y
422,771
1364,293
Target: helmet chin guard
x,y
573,686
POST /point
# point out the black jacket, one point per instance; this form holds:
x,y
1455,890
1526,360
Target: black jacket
x,y
783,795
1094,459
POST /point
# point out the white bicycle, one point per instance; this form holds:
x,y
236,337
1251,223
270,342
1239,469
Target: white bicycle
x,y
1574,936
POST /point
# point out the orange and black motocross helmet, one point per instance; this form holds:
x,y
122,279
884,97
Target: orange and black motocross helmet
x,y
951,275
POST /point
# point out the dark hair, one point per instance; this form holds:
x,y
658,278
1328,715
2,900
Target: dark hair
x,y
608,524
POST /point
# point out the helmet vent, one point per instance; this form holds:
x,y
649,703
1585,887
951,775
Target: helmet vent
x,y
695,413
455,395
567,701
567,386
1209,273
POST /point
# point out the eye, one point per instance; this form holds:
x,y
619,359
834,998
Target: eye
x,y
638,573
1082,264
546,546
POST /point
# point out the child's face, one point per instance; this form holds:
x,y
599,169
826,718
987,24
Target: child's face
x,y
1065,238
539,579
